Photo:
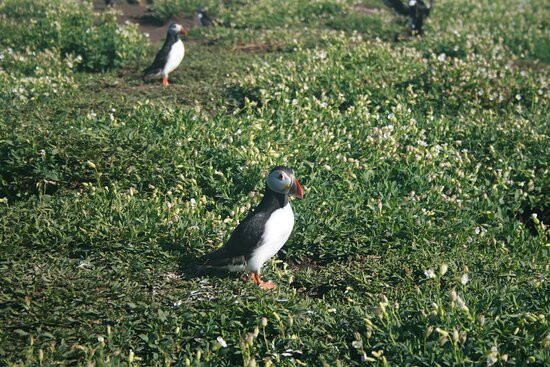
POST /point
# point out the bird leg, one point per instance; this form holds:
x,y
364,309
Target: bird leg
x,y
165,81
256,278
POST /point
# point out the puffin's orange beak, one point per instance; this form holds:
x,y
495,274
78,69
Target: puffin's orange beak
x,y
183,31
296,189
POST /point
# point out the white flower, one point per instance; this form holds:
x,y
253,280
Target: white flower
x,y
177,304
492,356
477,230
322,54
412,2
464,279
221,341
441,57
391,116
518,97
430,274
193,202
453,295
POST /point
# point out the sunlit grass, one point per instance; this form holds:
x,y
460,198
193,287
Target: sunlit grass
x,y
422,239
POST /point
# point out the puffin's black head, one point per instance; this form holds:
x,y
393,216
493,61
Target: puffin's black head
x,y
177,29
281,180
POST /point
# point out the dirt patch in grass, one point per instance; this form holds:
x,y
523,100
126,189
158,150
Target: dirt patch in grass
x,y
144,18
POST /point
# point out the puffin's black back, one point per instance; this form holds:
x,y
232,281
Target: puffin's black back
x,y
419,12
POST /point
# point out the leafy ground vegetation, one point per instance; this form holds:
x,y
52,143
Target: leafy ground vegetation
x,y
422,239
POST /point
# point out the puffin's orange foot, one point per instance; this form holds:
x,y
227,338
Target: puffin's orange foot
x,y
266,285
165,81
256,278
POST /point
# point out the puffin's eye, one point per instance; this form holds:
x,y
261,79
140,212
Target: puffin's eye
x,y
280,176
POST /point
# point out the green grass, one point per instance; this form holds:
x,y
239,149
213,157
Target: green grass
x,y
422,239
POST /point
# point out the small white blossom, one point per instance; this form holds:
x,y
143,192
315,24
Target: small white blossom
x,y
441,57
221,341
464,279
492,356
430,274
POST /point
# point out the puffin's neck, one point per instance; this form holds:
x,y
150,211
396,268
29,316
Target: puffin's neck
x,y
273,200
171,38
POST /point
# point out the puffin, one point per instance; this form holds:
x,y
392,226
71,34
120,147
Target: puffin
x,y
263,232
202,19
417,11
170,55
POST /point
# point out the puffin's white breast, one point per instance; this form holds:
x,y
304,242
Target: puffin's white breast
x,y
276,232
174,57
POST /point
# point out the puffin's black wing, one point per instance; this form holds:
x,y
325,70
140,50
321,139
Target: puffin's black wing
x,y
242,242
160,60
398,6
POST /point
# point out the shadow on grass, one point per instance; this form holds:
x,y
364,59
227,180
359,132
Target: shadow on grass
x,y
190,265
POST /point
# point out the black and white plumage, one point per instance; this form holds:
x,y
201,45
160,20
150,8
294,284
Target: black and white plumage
x,y
417,11
263,232
202,19
170,55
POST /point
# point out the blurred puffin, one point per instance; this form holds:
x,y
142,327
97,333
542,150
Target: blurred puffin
x,y
170,55
263,232
202,19
417,11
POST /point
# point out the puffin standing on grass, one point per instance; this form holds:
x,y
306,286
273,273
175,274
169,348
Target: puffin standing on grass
x,y
202,19
170,55
417,11
263,232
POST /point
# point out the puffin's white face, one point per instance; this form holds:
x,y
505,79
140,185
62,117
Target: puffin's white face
x,y
177,28
284,182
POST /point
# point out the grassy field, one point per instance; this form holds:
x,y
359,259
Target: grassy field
x,y
422,239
